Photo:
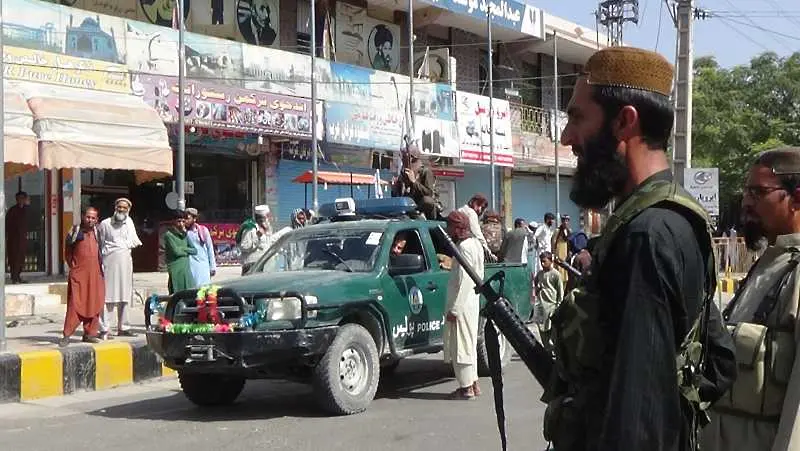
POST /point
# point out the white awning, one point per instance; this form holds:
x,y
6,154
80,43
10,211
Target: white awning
x,y
80,128
19,141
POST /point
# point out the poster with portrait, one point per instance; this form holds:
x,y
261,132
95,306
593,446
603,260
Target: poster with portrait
x,y
365,41
258,22
159,12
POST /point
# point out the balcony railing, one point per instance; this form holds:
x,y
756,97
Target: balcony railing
x,y
530,119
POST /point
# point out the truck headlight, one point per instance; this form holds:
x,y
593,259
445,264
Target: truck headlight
x,y
284,309
312,300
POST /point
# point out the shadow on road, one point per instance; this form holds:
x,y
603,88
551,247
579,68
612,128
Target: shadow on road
x,y
264,400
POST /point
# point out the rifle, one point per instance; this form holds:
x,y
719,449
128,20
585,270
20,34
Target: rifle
x,y
569,268
500,314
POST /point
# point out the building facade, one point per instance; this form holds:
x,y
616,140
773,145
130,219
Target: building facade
x,y
248,108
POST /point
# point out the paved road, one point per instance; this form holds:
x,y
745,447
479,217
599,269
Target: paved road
x,y
410,412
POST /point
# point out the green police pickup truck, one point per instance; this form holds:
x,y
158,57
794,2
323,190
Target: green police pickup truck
x,y
329,304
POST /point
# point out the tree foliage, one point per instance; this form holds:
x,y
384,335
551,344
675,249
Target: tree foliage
x,y
738,112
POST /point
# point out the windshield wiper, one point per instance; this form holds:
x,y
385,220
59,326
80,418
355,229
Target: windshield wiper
x,y
338,257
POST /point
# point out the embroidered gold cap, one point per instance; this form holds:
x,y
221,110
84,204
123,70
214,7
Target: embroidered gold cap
x,y
630,67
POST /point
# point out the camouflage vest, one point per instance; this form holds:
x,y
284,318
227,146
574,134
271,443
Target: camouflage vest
x,y
579,341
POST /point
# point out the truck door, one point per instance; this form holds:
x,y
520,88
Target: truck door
x,y
439,274
414,298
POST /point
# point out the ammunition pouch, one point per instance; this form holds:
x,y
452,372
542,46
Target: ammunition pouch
x,y
578,339
564,424
764,357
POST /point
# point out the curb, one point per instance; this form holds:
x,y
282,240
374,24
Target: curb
x,y
27,376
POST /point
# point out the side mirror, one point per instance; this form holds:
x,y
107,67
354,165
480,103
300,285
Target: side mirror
x,y
406,264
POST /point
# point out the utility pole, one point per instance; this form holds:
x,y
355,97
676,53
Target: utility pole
x,y
493,177
613,14
180,170
556,131
411,137
314,156
682,135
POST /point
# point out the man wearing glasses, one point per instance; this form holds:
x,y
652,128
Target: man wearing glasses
x,y
760,412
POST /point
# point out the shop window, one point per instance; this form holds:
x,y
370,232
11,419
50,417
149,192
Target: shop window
x,y
33,183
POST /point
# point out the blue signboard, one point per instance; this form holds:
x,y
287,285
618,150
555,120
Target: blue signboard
x,y
362,126
509,14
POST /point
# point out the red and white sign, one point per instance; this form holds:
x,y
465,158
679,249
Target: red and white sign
x,y
474,126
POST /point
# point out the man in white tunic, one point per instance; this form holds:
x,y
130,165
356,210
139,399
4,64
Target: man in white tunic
x,y
761,411
256,237
462,310
117,236
474,210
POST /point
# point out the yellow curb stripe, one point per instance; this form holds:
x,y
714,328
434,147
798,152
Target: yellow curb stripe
x,y
114,362
167,372
41,375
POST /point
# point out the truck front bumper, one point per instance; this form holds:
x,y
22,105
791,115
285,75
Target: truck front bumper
x,y
252,354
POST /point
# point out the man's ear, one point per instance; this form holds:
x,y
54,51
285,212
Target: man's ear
x,y
626,124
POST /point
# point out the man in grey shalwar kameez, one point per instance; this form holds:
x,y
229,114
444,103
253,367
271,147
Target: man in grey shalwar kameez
x,y
117,236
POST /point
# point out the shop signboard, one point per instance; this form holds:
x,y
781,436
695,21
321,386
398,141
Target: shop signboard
x,y
361,126
474,126
509,14
228,108
703,184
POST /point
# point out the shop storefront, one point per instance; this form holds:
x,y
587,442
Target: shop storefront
x,y
234,140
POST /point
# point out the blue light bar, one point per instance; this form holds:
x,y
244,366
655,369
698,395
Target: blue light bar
x,y
388,207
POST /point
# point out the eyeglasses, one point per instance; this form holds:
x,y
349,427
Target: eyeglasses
x,y
757,191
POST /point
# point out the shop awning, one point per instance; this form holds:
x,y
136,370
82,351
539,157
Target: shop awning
x,y
81,128
337,178
19,141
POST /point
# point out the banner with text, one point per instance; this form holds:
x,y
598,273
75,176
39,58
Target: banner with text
x,y
474,130
361,126
229,108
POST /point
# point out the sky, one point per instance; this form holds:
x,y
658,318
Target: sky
x,y
744,28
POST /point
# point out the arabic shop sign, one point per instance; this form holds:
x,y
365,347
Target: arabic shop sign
x,y
505,13
362,126
52,68
228,108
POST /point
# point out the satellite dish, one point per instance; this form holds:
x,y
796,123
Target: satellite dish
x,y
171,199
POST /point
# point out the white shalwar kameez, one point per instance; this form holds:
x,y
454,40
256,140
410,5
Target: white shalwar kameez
x,y
461,337
116,241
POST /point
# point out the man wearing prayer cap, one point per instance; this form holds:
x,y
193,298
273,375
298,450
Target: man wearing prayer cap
x,y
761,410
461,312
618,339
117,237
256,237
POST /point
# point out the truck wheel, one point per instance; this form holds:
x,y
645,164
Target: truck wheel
x,y
483,358
210,389
346,379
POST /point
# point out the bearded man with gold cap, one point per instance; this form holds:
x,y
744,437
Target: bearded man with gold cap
x,y
627,373
117,237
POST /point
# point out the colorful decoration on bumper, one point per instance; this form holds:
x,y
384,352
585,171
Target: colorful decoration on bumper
x,y
200,302
209,319
211,303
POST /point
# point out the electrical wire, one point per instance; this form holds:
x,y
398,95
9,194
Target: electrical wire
x,y
744,35
760,28
750,20
660,16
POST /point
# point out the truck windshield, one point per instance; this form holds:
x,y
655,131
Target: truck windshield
x,y
335,250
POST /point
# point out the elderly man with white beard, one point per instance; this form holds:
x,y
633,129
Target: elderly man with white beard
x,y
117,237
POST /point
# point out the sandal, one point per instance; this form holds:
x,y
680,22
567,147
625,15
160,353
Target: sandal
x,y
475,389
463,394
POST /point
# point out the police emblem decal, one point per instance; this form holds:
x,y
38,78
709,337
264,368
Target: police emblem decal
x,y
415,300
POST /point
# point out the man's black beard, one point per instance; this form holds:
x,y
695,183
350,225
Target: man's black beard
x,y
754,235
601,173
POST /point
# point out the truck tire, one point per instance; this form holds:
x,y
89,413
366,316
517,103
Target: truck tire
x,y
506,352
346,378
209,390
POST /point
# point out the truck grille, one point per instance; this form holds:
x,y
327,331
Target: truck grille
x,y
184,309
